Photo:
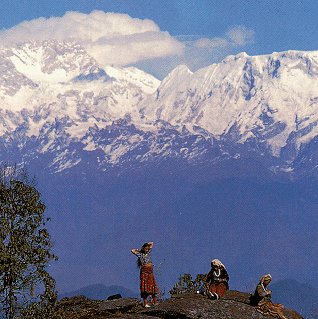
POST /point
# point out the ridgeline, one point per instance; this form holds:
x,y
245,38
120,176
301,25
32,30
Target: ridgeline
x,y
234,305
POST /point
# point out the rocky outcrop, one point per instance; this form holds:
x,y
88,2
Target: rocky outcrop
x,y
235,305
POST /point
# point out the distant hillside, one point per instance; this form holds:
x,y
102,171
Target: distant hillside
x,y
292,294
100,292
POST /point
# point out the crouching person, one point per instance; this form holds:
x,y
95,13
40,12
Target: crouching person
x,y
262,299
148,285
217,280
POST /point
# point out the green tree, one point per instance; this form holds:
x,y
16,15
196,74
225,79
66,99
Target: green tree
x,y
186,284
26,288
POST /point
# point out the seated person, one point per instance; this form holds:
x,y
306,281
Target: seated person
x,y
217,280
262,299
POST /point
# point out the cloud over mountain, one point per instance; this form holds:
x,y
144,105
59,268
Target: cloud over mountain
x,y
235,37
200,51
111,38
119,39
204,51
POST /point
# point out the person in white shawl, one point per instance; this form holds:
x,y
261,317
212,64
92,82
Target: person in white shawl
x,y
217,280
262,298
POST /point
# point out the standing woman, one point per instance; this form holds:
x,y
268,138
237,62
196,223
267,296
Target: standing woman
x,y
262,298
217,280
148,285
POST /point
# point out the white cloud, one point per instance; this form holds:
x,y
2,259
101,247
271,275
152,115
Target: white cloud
x,y
81,26
125,49
235,37
201,51
240,36
205,43
111,38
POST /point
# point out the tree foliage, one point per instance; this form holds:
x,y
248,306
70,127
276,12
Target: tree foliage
x,y
26,288
186,284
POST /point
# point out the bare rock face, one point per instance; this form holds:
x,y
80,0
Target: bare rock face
x,y
234,305
78,307
119,305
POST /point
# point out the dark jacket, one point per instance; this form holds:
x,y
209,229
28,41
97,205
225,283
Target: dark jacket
x,y
215,277
261,295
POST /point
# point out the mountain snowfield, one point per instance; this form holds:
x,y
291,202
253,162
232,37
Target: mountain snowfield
x,y
61,79
256,95
57,100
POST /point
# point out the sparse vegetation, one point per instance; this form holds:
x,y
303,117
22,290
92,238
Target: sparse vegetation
x,y
186,284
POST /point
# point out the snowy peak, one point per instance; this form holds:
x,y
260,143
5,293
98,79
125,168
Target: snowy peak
x,y
181,74
58,99
47,80
51,61
267,97
63,61
144,81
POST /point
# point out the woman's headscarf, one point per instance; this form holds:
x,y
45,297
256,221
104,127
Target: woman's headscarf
x,y
217,262
265,277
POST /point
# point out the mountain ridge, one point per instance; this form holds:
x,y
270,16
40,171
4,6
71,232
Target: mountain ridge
x,y
261,106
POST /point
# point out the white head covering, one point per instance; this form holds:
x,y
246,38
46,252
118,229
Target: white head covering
x,y
217,262
265,277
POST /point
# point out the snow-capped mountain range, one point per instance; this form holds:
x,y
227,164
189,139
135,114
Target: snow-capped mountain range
x,y
58,102
121,157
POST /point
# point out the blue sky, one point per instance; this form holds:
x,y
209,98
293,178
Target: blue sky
x,y
272,25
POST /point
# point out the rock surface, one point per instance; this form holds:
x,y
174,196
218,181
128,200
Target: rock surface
x,y
234,305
